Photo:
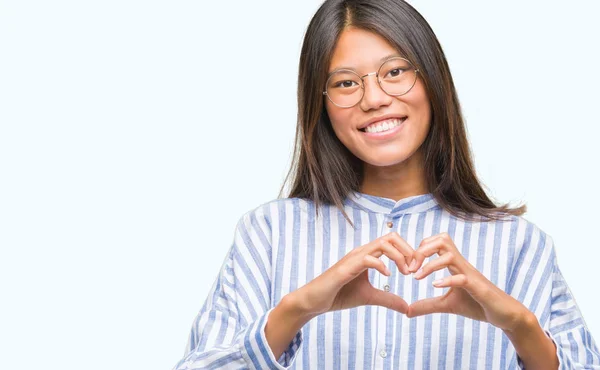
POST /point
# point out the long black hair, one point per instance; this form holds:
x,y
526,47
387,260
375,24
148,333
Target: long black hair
x,y
325,171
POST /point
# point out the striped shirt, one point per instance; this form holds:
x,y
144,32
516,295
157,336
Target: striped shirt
x,y
283,244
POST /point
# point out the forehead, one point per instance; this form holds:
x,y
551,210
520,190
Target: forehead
x,y
360,50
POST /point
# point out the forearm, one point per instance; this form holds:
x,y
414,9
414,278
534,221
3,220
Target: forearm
x,y
286,319
534,347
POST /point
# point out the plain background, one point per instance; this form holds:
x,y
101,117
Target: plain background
x,y
134,135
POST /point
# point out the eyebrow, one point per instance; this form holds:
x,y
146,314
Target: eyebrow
x,y
380,60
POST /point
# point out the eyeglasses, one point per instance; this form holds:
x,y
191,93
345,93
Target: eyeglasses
x,y
345,88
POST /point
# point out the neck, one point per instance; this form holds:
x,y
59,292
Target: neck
x,y
396,182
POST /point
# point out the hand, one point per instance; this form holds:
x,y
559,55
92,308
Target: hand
x,y
471,294
346,284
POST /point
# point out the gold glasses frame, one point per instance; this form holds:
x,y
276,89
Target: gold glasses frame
x,y
362,85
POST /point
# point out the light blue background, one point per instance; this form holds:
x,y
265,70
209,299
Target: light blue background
x,y
134,134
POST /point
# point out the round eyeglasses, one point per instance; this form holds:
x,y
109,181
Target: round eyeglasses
x,y
345,88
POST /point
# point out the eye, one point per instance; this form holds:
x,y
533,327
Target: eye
x,y
346,83
396,72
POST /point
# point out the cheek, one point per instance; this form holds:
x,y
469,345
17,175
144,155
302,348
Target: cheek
x,y
421,100
340,121
421,108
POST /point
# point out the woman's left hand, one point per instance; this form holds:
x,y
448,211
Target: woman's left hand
x,y
471,294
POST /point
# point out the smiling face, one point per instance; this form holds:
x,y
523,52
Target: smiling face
x,y
363,51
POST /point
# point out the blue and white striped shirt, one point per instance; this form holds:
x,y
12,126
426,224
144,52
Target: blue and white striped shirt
x,y
282,245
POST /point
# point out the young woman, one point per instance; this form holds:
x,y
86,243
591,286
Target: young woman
x,y
385,209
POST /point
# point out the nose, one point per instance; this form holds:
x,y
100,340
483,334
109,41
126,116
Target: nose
x,y
374,96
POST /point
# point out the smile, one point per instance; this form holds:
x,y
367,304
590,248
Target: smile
x,y
383,126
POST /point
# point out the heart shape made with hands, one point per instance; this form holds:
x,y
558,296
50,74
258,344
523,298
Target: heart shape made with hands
x,y
469,289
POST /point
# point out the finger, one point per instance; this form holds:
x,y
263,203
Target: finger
x,y
372,262
394,254
481,290
382,246
432,237
349,269
389,300
459,280
434,265
435,246
427,306
429,238
402,246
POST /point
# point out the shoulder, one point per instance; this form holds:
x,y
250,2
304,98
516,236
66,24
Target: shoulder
x,y
265,215
521,236
531,243
520,226
532,232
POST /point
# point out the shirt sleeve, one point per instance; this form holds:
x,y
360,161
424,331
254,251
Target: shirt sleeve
x,y
229,330
558,313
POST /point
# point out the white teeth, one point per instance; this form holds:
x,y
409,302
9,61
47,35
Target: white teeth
x,y
384,125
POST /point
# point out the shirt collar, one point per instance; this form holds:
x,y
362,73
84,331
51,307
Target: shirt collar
x,y
412,204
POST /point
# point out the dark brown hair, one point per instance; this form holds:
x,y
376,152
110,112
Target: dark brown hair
x,y
325,171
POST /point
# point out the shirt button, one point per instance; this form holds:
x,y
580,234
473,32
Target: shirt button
x,y
390,224
386,287
383,353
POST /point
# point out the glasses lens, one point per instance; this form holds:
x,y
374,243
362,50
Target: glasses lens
x,y
397,76
344,88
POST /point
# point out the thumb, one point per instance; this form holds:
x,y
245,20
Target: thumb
x,y
388,300
427,306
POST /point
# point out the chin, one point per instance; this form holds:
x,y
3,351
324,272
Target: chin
x,y
384,161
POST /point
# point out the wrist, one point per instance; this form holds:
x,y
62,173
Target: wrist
x,y
535,349
522,324
294,306
284,322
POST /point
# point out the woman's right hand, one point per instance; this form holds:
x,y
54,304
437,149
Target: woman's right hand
x,y
346,283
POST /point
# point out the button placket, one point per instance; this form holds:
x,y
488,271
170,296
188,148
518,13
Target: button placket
x,y
388,226
381,324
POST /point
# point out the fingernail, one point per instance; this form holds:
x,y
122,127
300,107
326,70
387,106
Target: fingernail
x,y
418,273
437,282
413,264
